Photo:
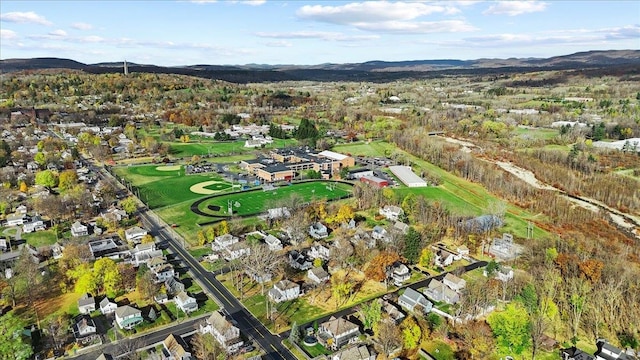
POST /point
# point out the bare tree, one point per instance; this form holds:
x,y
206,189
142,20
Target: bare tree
x,y
205,347
388,336
262,263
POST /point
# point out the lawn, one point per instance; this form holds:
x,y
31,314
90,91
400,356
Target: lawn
x,y
315,350
40,238
369,149
537,134
256,201
221,148
440,350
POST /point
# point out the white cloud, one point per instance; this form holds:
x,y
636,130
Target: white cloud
x,y
370,12
204,1
418,27
550,38
279,43
322,35
82,26
29,17
513,8
250,2
58,33
6,34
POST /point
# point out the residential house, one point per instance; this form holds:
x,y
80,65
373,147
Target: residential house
x,y
299,261
135,234
504,273
318,275
162,272
414,301
337,332
56,250
319,251
127,317
454,282
393,311
284,290
391,212
438,291
463,250
236,251
3,244
223,241
173,286
574,353
278,213
113,214
379,233
107,306
15,219
223,331
358,352
36,224
175,348
273,242
22,209
83,327
260,279
363,237
185,302
401,227
143,253
607,351
86,304
78,229
318,231
398,273
443,258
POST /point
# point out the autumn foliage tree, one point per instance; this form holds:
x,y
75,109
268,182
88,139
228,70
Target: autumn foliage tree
x,y
377,269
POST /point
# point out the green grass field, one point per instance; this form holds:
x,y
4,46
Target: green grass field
x,y
162,188
40,238
225,148
538,134
257,201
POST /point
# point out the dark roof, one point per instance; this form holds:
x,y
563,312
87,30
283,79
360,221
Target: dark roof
x,y
574,353
276,168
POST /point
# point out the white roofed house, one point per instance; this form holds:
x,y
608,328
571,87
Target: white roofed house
x,y
84,328
273,242
318,231
236,251
227,335
173,286
284,290
414,301
379,233
185,302
135,234
127,317
318,275
222,241
78,229
107,306
36,224
438,291
15,219
391,212
454,282
319,251
86,304
443,258
337,332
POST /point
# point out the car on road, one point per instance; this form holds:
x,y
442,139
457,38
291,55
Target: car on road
x,y
174,225
248,348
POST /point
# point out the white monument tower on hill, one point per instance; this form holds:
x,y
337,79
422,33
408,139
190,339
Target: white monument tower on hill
x,y
126,68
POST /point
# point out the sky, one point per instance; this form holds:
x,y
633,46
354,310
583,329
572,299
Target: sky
x,y
175,33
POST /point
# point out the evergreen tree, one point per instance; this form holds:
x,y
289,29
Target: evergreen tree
x,y
412,245
294,334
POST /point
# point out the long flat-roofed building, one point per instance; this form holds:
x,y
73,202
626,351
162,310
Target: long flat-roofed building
x,y
407,176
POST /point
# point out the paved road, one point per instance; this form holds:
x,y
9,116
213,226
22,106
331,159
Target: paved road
x,y
142,341
246,322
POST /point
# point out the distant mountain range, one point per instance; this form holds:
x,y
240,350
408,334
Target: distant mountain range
x,y
367,71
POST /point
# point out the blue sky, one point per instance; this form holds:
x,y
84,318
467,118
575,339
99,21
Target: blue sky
x,y
311,32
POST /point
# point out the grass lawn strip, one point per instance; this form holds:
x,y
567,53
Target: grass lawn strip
x,y
169,168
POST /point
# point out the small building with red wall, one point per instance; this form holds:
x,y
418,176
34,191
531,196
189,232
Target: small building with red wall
x,y
374,181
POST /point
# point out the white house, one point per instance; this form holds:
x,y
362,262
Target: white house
x,y
185,302
86,304
443,258
399,273
318,231
78,229
15,219
36,224
223,241
236,251
135,234
223,331
401,227
391,212
284,290
379,233
319,251
299,261
414,301
127,317
107,307
84,327
273,243
163,272
173,286
337,332
318,275
277,213
438,291
504,273
454,282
